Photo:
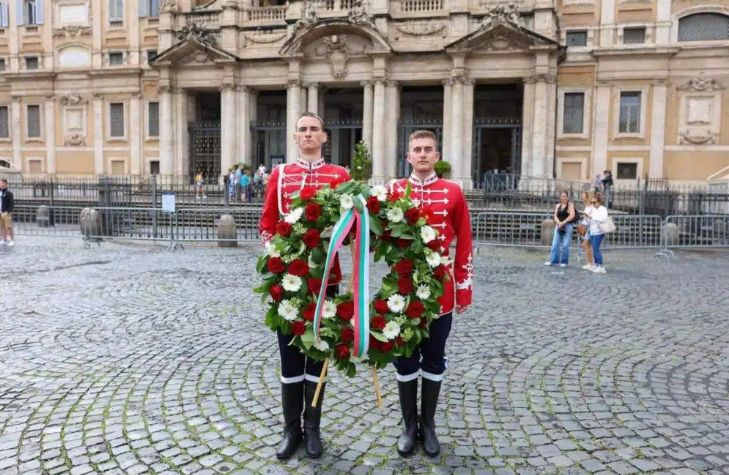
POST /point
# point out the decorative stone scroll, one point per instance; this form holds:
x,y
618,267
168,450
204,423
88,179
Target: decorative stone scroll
x,y
193,30
72,99
421,28
508,13
72,31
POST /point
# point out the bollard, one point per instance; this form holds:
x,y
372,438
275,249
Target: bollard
x,y
547,232
43,217
90,223
669,234
227,231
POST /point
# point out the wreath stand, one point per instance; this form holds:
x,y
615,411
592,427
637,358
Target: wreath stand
x,y
325,366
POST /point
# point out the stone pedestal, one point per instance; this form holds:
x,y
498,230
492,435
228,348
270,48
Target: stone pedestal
x,y
44,216
90,222
227,232
547,233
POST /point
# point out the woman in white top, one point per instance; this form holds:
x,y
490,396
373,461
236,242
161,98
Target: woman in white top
x,y
597,217
584,230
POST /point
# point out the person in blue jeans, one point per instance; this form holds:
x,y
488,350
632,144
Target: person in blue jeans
x,y
597,217
565,214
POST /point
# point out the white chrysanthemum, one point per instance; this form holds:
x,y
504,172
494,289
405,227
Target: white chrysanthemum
x,y
427,233
271,250
292,283
396,303
416,203
423,292
329,309
395,215
380,192
321,345
294,216
391,330
346,201
287,310
432,258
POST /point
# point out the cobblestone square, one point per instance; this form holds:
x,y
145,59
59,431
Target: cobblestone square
x,y
129,358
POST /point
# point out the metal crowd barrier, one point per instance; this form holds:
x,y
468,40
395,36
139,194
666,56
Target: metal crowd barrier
x,y
696,231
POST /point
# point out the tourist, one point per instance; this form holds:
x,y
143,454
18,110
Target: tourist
x,y
245,186
299,374
565,214
597,217
583,229
449,214
7,205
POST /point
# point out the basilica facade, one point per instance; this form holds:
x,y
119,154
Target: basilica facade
x,y
543,88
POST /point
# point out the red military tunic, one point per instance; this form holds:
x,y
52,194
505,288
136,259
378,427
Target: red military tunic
x,y
444,203
288,179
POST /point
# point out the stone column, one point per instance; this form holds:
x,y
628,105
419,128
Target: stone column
x,y
663,22
527,128
16,133
97,26
313,98
466,165
600,129
367,111
136,57
607,23
303,96
378,133
182,138
293,103
447,138
12,38
252,96
50,119
393,117
228,127
456,155
99,135
542,123
136,132
166,132
658,130
551,127
244,125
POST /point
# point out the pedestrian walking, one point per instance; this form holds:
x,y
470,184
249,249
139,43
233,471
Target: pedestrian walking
x,y
299,374
583,229
448,210
597,217
7,205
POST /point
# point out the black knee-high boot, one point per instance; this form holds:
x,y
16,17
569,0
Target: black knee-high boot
x,y
292,399
312,420
429,402
408,391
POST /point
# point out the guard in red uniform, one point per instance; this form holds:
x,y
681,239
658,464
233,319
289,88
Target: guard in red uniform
x,y
444,203
299,375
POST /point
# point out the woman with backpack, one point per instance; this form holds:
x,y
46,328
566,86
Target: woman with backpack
x,y
565,216
598,218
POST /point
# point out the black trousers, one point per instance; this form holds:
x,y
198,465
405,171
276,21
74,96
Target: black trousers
x,y
295,366
429,357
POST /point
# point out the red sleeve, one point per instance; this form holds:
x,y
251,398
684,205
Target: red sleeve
x,y
270,215
463,265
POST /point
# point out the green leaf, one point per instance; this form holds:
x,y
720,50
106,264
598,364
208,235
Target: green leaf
x,y
261,265
317,255
307,339
379,336
376,225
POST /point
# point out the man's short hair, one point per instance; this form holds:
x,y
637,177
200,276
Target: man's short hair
x,y
314,115
423,134
4,180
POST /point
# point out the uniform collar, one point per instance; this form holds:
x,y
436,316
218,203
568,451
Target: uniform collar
x,y
432,178
307,165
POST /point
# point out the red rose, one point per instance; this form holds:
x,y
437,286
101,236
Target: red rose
x,y
311,238
276,292
403,243
312,212
374,343
347,334
276,265
298,327
404,267
314,285
394,196
378,322
399,341
283,228
373,204
404,285
299,267
423,323
345,310
385,346
381,306
412,215
434,245
415,309
309,312
307,193
440,271
342,351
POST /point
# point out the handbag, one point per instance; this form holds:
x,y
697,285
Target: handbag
x,y
581,229
608,226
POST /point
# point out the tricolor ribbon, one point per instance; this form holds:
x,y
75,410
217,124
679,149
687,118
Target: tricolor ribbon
x,y
361,269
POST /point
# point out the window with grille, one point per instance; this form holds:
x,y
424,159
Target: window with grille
x,y
116,119
154,167
151,54
31,62
4,128
627,171
116,58
634,35
703,27
33,121
629,112
576,38
153,117
573,117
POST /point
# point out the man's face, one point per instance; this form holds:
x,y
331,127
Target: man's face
x,y
309,136
3,185
423,154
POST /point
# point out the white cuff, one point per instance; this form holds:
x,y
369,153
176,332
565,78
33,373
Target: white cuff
x,y
431,376
404,378
292,380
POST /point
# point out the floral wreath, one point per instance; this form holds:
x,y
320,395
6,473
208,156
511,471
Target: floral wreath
x,y
400,312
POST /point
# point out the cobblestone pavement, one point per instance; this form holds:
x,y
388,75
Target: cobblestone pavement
x,y
132,359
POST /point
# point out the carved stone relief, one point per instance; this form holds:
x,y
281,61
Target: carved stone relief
x,y
337,50
265,37
701,84
508,13
421,28
193,30
72,99
72,31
